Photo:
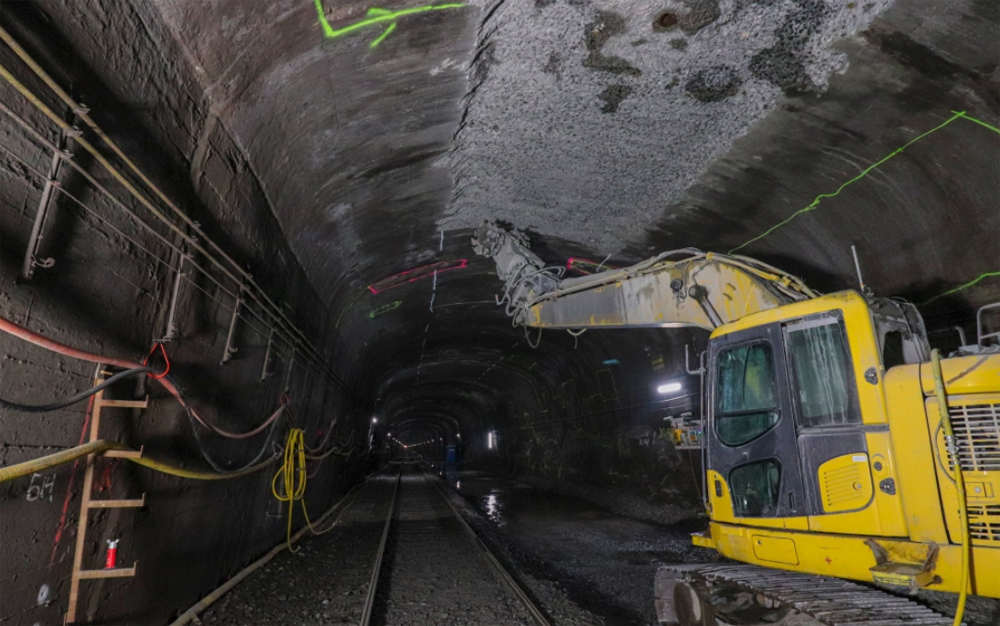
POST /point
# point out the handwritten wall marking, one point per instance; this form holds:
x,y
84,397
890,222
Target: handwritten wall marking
x,y
40,487
377,16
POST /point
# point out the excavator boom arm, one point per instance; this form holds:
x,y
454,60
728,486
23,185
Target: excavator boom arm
x,y
680,288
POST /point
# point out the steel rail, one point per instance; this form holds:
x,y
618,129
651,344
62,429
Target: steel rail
x,y
366,613
536,613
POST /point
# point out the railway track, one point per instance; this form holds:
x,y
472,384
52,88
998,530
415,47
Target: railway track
x,y
431,565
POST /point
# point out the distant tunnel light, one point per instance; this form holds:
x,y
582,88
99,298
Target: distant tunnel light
x,y
491,440
669,388
374,420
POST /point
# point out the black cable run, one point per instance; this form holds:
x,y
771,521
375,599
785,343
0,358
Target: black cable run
x,y
83,395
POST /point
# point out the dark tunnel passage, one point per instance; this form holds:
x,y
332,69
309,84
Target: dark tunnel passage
x,y
265,211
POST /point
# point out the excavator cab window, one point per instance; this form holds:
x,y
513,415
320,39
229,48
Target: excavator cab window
x,y
755,488
747,404
892,349
817,349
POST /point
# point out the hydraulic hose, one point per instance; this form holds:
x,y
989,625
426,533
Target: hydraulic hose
x,y
100,446
963,513
83,395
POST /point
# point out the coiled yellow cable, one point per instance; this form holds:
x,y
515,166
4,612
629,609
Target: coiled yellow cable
x,y
293,477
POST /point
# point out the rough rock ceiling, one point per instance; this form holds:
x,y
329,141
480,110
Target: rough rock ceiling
x,y
589,118
608,128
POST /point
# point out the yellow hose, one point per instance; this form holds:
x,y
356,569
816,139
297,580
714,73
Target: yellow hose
x,y
963,513
163,468
97,447
65,456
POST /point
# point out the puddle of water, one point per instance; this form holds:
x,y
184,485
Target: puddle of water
x,y
492,506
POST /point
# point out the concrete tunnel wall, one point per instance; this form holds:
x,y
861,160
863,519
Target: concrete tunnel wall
x,y
329,168
107,292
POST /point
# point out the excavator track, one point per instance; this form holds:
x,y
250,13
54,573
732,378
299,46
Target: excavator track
x,y
747,594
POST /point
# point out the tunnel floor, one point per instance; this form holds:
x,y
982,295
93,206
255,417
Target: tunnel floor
x,y
604,562
579,564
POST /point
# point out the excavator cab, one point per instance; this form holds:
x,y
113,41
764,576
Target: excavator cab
x,y
797,419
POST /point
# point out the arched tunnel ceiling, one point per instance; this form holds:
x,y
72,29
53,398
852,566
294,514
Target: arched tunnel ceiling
x,y
611,129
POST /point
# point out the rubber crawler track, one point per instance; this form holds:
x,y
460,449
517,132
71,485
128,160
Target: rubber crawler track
x,y
831,601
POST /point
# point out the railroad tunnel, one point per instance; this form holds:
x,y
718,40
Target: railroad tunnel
x,y
258,218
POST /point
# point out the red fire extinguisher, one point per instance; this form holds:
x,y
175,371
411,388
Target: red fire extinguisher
x,y
112,556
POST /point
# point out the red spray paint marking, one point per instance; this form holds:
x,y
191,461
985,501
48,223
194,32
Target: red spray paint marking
x,y
415,274
105,481
69,487
586,266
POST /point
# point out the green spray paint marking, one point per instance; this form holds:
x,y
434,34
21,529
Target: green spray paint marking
x,y
384,34
815,203
378,16
385,308
960,287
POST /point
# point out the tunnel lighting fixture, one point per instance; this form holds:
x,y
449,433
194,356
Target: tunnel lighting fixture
x,y
374,420
669,388
491,440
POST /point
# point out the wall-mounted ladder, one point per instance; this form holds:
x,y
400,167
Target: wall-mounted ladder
x,y
87,502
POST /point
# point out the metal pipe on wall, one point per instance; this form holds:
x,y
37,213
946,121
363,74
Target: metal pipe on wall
x,y
293,335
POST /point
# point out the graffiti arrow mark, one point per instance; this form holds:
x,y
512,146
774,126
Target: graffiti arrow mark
x,y
378,16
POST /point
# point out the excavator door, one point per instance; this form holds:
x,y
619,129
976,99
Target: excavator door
x,y
787,439
752,446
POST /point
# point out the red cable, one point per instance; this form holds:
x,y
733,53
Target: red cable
x,y
32,337
166,360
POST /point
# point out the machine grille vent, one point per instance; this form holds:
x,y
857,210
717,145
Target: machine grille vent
x,y
984,522
842,488
977,435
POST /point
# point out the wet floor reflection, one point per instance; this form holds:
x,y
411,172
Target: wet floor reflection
x,y
604,561
492,507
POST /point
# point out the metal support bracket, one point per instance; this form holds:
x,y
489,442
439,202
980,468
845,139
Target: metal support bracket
x,y
265,372
288,373
231,350
179,275
31,260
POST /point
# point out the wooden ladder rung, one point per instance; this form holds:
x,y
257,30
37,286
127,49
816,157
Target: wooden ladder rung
x,y
124,454
125,404
117,504
117,572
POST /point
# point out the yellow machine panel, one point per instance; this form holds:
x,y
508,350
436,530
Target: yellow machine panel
x,y
774,549
845,483
852,557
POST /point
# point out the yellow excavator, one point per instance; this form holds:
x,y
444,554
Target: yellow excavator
x,y
837,446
